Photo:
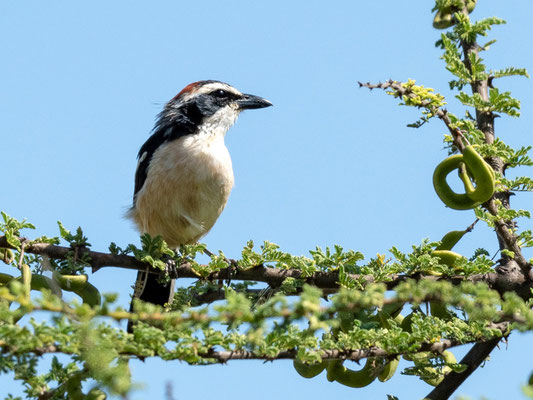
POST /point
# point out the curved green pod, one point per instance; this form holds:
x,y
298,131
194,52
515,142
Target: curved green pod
x,y
447,356
389,370
407,322
331,368
439,310
355,379
447,257
38,282
482,173
5,278
457,201
465,178
444,18
450,239
79,284
7,255
308,370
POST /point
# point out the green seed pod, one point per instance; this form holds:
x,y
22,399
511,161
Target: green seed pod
x,y
482,173
308,370
448,358
90,295
79,285
355,379
26,278
443,20
39,282
439,310
447,257
6,255
453,200
389,312
407,322
5,278
465,178
96,394
389,370
393,309
331,369
450,239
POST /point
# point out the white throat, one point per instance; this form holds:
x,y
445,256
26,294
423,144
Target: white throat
x,y
218,124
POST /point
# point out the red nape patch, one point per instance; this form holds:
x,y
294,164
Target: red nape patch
x,y
188,89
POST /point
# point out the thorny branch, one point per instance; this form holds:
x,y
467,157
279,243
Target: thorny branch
x,y
479,352
507,239
503,279
225,356
473,359
441,113
485,121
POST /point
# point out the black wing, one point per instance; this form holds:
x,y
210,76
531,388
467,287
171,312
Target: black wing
x,y
164,133
145,156
171,125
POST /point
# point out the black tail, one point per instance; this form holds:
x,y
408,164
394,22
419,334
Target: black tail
x,y
148,289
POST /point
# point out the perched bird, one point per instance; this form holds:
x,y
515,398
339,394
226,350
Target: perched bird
x,y
184,174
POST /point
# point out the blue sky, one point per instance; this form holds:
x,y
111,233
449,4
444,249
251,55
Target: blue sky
x,y
328,164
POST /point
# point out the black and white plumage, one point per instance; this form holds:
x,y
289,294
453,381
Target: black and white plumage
x,y
184,173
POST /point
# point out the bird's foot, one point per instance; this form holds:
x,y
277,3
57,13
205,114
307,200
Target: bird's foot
x,y
232,265
264,295
171,267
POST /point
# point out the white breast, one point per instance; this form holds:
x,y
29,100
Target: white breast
x,y
187,186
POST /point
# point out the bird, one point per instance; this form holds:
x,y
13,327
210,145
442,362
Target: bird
x,y
184,172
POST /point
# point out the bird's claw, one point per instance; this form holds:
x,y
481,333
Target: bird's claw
x,y
233,267
171,267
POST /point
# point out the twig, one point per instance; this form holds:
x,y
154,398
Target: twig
x,y
485,121
441,113
505,278
225,356
473,359
506,238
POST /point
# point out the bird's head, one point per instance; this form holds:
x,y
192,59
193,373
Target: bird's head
x,y
209,103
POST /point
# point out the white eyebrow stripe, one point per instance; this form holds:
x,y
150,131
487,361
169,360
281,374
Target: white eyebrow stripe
x,y
210,87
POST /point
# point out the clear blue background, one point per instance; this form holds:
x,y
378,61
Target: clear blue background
x,y
330,163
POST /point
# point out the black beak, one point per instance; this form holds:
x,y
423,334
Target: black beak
x,y
249,102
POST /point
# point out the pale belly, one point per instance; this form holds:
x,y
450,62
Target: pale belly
x,y
187,187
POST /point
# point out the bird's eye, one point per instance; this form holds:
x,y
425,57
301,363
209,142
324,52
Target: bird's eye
x,y
220,93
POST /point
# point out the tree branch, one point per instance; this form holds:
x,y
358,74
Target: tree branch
x,y
505,278
225,356
507,239
441,113
473,359
485,121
